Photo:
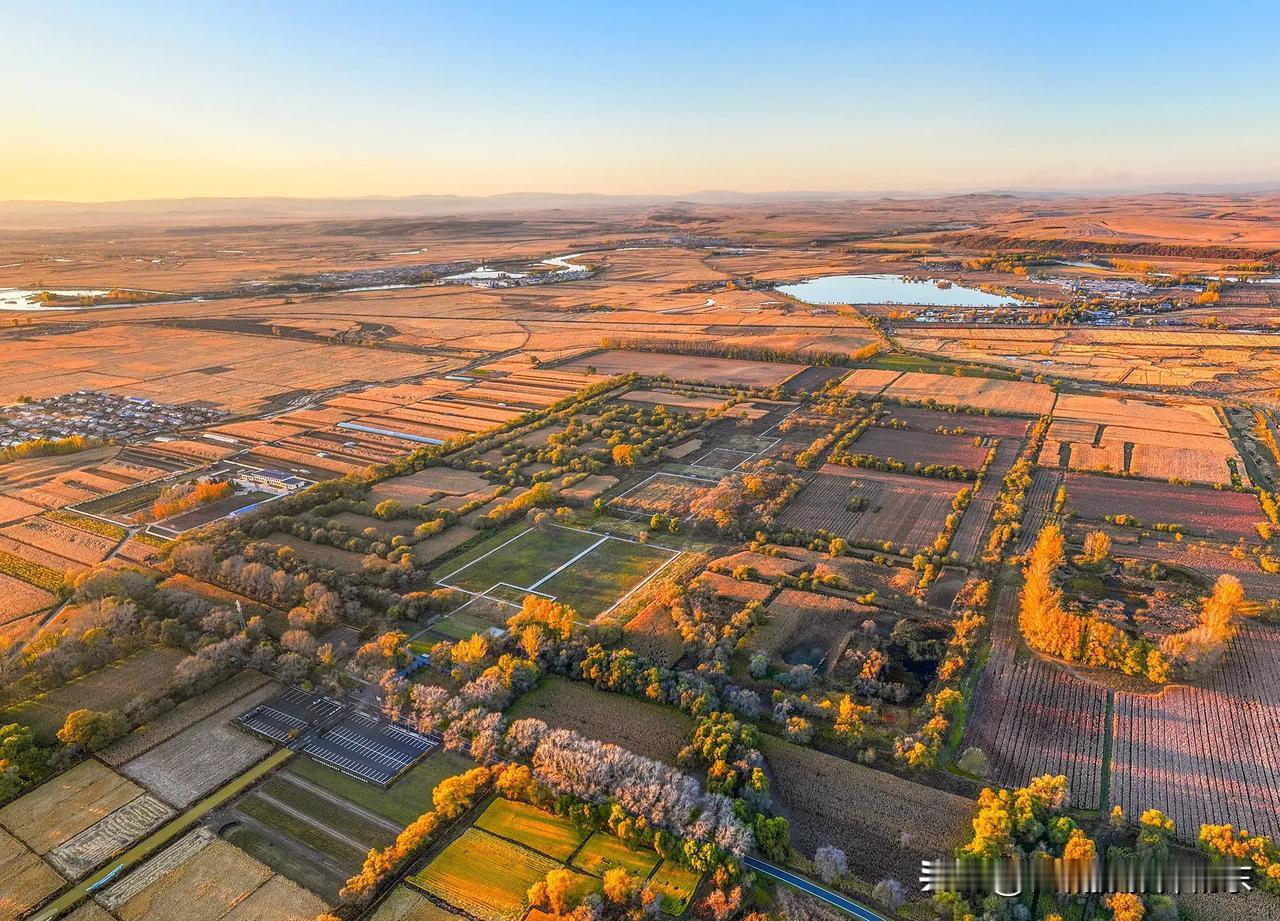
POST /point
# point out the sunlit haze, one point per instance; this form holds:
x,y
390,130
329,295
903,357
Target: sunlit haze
x,y
142,100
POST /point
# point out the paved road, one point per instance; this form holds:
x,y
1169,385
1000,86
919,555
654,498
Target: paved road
x,y
813,889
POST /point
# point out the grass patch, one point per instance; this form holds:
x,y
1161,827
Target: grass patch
x,y
305,873
461,625
520,561
486,877
604,852
543,831
599,579
405,800
301,831
327,813
676,885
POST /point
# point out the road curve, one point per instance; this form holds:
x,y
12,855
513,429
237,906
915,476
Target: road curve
x,y
813,889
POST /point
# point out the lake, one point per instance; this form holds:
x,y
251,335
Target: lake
x,y
890,289
24,299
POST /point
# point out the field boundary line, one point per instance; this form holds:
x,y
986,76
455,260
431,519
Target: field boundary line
x,y
567,563
675,555
485,555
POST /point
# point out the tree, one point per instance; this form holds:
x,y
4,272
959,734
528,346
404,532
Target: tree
x,y
889,893
1125,906
1097,546
388,509
558,619
831,863
92,729
625,455
619,886
849,722
773,837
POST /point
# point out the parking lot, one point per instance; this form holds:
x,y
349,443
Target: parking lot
x,y
371,749
288,714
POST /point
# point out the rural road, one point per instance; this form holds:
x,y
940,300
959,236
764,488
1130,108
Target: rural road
x,y
813,889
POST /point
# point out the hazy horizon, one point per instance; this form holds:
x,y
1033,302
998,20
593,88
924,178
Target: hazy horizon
x,y
314,101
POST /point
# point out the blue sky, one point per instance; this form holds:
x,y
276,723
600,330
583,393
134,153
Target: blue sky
x,y
143,99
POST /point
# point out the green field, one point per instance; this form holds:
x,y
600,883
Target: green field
x,y
604,852
676,884
520,561
405,800
328,813
306,873
543,831
594,583
290,826
460,625
486,877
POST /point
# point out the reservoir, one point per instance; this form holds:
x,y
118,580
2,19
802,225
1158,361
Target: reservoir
x,y
890,289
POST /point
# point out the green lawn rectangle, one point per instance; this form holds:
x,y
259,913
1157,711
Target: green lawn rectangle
x,y
485,876
462,625
331,814
604,852
543,831
406,799
676,885
594,583
520,561
290,826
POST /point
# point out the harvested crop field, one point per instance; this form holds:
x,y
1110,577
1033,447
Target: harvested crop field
x,y
201,757
903,510
912,447
686,367
25,879
923,419
645,728
1031,717
685,402
869,380
321,555
1017,397
65,541
653,635
232,886
188,713
1207,754
110,835
463,875
64,806
110,687
425,485
433,548
863,811
763,565
1218,513
19,599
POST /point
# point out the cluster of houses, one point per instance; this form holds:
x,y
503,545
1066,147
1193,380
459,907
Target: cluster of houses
x,y
91,414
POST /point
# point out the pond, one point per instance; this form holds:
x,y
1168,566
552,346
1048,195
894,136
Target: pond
x,y
27,299
891,289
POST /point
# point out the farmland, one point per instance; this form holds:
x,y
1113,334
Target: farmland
x,y
1206,755
900,510
437,460
462,876
1222,514
544,832
108,687
645,728
911,447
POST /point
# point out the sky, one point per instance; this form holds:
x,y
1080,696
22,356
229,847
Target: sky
x,y
109,100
